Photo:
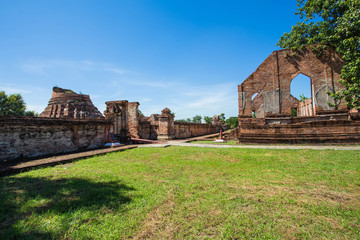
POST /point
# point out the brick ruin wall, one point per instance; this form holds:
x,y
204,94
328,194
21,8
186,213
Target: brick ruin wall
x,y
22,137
148,130
126,119
181,130
271,81
316,121
321,131
186,130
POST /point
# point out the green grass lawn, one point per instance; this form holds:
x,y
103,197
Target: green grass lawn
x,y
188,193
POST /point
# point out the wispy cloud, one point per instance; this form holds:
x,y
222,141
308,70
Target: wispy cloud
x,y
10,90
43,67
107,81
209,101
36,108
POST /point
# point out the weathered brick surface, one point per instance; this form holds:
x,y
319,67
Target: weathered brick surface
x,y
133,119
273,77
149,128
65,103
22,137
166,125
186,130
125,118
328,131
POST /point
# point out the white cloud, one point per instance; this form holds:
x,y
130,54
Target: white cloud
x,y
10,90
107,82
43,67
37,108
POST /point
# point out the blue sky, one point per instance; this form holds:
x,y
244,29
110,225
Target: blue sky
x,y
188,56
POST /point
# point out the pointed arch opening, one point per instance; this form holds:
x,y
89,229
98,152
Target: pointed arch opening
x,y
257,106
301,89
301,86
253,96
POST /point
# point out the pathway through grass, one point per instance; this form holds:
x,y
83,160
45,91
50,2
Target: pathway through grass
x,y
183,192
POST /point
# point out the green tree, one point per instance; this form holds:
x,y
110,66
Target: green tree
x,y
180,120
11,105
303,98
222,117
197,119
140,113
14,105
31,114
208,120
232,122
188,120
335,23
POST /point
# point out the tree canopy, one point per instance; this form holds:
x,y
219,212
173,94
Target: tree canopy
x,y
197,119
335,23
13,105
232,122
208,120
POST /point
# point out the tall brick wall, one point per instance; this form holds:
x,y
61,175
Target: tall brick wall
x,y
273,77
133,119
22,137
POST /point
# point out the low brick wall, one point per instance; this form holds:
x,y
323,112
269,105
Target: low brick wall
x,y
186,130
329,131
23,137
150,130
147,130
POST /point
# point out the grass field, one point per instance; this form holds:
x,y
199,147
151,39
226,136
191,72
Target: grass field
x,y
188,193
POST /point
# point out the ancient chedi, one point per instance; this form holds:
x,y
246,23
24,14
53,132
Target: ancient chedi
x,y
65,103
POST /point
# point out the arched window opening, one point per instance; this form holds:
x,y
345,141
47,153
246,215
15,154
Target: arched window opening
x,y
300,87
253,96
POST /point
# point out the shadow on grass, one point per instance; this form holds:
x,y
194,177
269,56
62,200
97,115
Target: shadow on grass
x,y
22,198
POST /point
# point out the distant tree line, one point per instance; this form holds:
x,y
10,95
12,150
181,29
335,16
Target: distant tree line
x,y
14,105
231,122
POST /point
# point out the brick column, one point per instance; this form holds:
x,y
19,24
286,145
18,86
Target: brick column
x,y
166,125
117,112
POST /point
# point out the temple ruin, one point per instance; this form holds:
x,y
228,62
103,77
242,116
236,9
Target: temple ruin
x,y
271,82
65,103
72,123
127,124
266,104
